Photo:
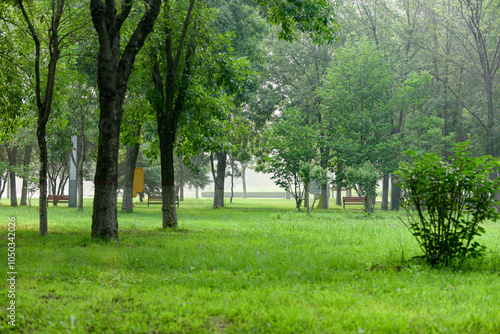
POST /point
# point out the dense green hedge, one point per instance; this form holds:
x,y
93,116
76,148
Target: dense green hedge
x,y
239,194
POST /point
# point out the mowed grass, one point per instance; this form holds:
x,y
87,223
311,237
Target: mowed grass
x,y
256,266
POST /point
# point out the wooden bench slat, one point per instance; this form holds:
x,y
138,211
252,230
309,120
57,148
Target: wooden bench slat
x,y
155,199
353,200
54,199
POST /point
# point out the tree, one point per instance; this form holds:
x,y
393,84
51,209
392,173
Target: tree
x,y
61,21
356,106
114,68
288,154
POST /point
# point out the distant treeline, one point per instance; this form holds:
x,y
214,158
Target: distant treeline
x,y
227,194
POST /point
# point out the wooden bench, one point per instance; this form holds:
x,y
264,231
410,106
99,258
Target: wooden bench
x,y
159,200
353,201
54,199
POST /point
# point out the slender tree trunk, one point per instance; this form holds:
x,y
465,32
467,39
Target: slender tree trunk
x,y
196,192
325,194
298,203
181,180
395,194
220,178
12,154
306,195
42,209
79,163
2,184
243,179
385,192
232,182
28,150
169,213
128,182
339,196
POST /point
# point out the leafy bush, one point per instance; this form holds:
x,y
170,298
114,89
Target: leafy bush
x,y
446,202
364,180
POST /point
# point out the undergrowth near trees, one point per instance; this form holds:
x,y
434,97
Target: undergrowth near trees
x,y
448,202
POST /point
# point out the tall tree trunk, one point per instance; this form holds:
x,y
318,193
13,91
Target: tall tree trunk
x,y
325,194
306,195
2,184
220,179
395,193
232,182
169,213
42,209
385,192
181,179
28,150
196,192
79,163
243,179
104,216
12,154
339,196
131,160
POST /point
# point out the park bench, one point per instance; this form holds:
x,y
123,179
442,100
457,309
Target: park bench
x,y
158,200
353,201
54,199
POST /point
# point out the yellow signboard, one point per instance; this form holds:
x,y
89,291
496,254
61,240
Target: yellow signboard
x,y
138,181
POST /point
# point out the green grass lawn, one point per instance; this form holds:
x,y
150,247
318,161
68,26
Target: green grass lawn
x,y
256,266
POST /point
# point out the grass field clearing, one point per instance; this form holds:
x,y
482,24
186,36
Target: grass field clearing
x,y
255,266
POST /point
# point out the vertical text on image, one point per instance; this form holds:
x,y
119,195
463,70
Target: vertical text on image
x,y
11,272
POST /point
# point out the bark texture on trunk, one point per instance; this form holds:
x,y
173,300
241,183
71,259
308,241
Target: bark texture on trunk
x,y
12,154
113,71
79,164
232,184
28,150
306,195
128,182
243,179
325,194
219,179
395,194
385,192
339,196
42,209
181,179
169,213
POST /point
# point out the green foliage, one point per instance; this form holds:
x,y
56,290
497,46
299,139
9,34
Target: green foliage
x,y
364,180
447,202
291,147
356,98
315,18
